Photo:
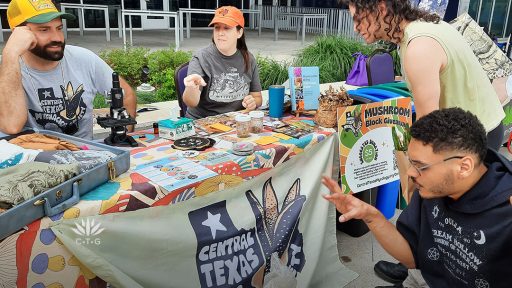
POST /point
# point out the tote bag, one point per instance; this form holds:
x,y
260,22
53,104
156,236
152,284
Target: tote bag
x,y
357,75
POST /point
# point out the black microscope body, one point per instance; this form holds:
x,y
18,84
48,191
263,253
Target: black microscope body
x,y
118,118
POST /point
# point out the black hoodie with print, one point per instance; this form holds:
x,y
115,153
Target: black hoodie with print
x,y
465,242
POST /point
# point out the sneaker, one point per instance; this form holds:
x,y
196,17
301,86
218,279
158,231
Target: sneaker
x,y
391,272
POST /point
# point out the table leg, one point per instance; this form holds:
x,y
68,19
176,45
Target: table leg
x,y
81,22
131,30
119,22
325,26
177,32
124,30
259,23
298,29
107,25
181,25
64,24
303,29
1,32
339,24
276,28
189,23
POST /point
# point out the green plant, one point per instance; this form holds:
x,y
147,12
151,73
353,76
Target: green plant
x,y
99,101
162,64
127,63
271,71
396,62
333,56
508,115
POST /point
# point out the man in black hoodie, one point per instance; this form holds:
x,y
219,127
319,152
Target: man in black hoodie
x,y
457,229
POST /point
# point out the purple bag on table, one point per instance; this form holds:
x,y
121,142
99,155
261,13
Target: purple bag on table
x,y
358,76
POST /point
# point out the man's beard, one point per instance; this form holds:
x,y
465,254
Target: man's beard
x,y
42,52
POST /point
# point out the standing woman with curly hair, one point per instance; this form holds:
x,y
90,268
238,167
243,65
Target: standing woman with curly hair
x,y
223,76
439,66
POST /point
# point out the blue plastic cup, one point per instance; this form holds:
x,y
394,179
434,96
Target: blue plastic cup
x,y
387,196
275,101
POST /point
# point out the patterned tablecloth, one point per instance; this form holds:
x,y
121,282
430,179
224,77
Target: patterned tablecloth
x,y
35,258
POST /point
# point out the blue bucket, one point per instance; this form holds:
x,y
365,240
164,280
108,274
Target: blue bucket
x,y
387,196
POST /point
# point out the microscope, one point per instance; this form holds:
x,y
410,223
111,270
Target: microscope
x,y
118,119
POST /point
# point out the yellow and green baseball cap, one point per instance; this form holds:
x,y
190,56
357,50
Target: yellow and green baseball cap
x,y
33,11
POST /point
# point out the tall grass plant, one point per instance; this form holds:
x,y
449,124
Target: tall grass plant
x,y
333,56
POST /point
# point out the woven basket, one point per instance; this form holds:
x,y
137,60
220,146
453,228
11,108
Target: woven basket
x,y
328,106
326,116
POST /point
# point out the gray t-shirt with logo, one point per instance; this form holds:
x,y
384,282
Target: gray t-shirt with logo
x,y
227,83
62,99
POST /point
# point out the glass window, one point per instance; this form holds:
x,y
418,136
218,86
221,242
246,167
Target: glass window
x,y
473,8
498,17
508,31
485,14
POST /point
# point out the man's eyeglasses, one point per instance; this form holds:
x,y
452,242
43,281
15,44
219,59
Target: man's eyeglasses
x,y
425,167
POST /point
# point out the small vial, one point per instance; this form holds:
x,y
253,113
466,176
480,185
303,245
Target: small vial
x,y
243,125
256,121
155,128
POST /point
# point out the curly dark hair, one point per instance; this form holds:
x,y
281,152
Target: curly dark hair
x,y
451,129
398,11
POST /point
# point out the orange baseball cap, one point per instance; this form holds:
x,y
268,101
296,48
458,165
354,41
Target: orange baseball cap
x,y
228,15
33,11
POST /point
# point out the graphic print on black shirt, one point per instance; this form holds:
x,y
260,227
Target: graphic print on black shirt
x,y
64,111
461,249
229,87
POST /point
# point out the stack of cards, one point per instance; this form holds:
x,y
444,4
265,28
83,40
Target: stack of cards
x,y
243,148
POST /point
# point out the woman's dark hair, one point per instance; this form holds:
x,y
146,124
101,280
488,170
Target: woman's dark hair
x,y
240,45
398,10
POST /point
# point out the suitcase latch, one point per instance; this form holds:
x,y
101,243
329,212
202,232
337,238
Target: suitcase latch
x,y
111,170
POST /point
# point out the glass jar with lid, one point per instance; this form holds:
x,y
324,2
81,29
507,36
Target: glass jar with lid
x,y
243,125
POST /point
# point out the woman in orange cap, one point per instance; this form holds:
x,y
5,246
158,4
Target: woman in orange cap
x,y
223,76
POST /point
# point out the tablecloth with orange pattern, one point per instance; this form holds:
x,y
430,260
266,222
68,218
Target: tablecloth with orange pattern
x,y
34,257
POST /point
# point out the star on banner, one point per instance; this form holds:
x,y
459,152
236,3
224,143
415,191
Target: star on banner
x,y
213,222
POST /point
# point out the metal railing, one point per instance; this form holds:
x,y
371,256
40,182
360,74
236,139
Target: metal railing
x,y
339,21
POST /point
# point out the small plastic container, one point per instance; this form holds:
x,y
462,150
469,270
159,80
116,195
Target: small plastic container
x,y
243,125
256,121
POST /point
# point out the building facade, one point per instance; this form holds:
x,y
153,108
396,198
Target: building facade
x,y
494,15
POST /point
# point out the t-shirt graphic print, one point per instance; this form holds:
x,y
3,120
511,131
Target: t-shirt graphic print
x,y
229,86
64,110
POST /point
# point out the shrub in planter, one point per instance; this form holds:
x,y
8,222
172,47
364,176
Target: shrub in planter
x,y
127,63
162,64
271,71
333,56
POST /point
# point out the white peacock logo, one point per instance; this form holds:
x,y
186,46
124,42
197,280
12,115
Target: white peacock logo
x,y
87,228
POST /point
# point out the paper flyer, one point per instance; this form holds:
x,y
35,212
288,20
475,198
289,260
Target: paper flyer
x,y
367,153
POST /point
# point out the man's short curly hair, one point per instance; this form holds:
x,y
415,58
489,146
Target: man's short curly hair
x,y
451,129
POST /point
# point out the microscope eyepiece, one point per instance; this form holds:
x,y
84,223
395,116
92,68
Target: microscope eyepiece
x,y
115,80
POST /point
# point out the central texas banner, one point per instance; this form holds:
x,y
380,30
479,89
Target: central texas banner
x,y
272,231
367,156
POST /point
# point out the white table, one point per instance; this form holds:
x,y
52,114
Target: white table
x,y
130,13
304,17
190,11
81,23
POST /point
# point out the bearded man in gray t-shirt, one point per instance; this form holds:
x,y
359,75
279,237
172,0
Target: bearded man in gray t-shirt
x,y
43,85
